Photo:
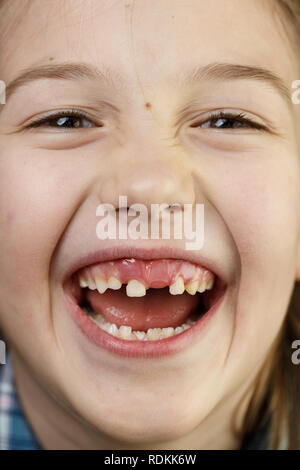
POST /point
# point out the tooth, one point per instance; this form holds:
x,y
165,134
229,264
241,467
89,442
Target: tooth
x,y
114,283
210,284
202,286
177,287
91,284
82,282
153,333
192,287
168,331
178,329
125,331
140,335
113,329
135,288
100,319
101,285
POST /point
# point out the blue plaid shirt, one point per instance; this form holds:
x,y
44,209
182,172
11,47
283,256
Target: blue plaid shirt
x,y
15,433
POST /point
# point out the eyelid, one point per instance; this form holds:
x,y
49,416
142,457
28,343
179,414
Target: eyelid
x,y
38,121
241,116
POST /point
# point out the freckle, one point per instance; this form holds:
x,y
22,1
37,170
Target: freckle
x,y
148,105
173,17
51,58
127,5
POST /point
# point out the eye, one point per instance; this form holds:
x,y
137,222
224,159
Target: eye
x,y
225,120
71,119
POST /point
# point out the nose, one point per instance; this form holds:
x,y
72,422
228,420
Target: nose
x,y
149,175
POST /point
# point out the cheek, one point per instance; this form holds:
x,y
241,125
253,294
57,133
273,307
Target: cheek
x,y
260,204
259,201
35,206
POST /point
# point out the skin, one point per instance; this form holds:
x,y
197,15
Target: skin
x,y
74,394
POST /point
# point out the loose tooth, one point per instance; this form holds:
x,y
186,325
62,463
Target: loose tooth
x,y
135,288
101,285
114,283
82,282
125,331
192,287
177,287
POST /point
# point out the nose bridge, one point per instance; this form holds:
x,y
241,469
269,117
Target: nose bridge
x,y
152,174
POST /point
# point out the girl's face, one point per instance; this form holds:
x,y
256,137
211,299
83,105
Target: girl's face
x,y
160,72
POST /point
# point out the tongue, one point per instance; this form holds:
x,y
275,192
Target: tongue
x,y
157,309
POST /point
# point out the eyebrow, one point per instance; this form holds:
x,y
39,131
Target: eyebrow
x,y
112,78
65,71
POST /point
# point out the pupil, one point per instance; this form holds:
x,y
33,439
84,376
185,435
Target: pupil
x,y
227,123
68,122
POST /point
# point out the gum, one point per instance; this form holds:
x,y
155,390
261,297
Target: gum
x,y
152,273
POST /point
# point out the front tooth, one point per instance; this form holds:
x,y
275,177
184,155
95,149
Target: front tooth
x,y
177,287
192,287
101,285
135,288
114,283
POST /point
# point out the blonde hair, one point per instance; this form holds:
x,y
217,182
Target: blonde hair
x,y
276,400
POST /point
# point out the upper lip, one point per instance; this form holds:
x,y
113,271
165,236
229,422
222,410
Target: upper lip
x,y
143,252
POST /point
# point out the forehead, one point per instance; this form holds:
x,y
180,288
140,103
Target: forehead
x,y
148,40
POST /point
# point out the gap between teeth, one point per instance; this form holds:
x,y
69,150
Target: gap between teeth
x,y
152,334
136,288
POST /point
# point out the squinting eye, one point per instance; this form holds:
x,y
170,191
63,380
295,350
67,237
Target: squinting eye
x,y
63,120
222,120
224,124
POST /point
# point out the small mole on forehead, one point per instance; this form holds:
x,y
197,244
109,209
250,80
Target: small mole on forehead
x,y
148,105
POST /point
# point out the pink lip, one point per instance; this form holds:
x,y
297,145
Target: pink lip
x,y
139,349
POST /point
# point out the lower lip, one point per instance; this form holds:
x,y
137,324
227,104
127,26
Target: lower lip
x,y
139,349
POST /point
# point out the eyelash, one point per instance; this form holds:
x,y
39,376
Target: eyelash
x,y
234,118
71,113
213,118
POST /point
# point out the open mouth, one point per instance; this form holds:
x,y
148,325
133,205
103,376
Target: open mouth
x,y
137,300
